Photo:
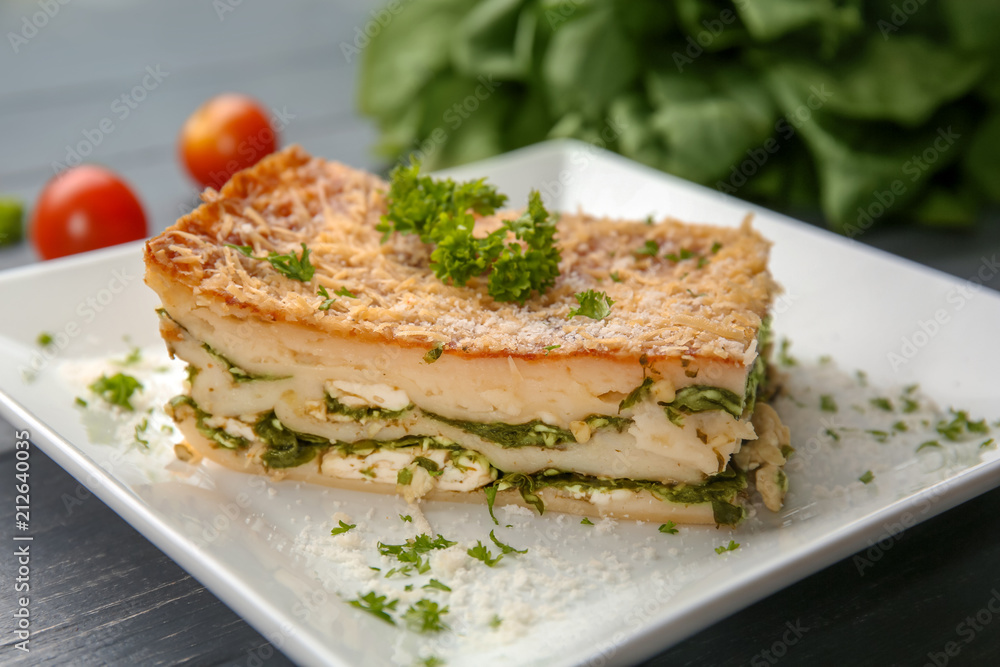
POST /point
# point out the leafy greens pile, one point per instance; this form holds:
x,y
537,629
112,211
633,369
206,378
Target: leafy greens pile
x,y
866,109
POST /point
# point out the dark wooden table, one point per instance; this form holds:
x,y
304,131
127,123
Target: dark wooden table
x,y
102,594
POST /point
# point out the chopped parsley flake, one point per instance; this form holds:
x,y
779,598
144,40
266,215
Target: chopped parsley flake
x,y
480,552
491,497
833,434
506,548
376,605
670,528
882,404
784,358
434,353
586,522
680,256
732,546
595,305
435,584
928,444
960,426
406,517
328,300
45,339
496,621
117,389
432,661
343,291
403,571
425,616
649,248
880,436
133,357
343,528
549,348
988,443
827,403
867,477
900,426
716,247
615,277
140,429
411,553
79,401
290,265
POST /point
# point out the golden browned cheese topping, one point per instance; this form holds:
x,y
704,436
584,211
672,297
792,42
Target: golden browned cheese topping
x,y
709,308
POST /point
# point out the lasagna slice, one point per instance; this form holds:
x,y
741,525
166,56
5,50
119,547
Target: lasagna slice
x,y
370,373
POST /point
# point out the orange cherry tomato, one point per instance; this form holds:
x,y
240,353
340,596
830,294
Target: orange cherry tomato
x,y
227,133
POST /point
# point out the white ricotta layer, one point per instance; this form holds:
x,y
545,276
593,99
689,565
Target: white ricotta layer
x,y
651,448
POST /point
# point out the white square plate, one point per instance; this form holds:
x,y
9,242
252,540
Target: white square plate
x,y
615,591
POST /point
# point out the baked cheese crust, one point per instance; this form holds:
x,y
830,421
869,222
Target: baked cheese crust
x,y
709,310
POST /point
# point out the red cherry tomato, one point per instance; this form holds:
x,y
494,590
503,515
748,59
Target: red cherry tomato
x,y
227,133
85,208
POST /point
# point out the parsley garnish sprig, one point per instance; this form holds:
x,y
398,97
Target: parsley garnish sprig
x,y
438,211
117,389
327,299
732,546
411,553
480,552
425,616
343,528
595,305
377,605
506,548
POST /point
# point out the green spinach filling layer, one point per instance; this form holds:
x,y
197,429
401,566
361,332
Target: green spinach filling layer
x,y
720,490
240,375
698,398
213,433
287,448
363,413
535,433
